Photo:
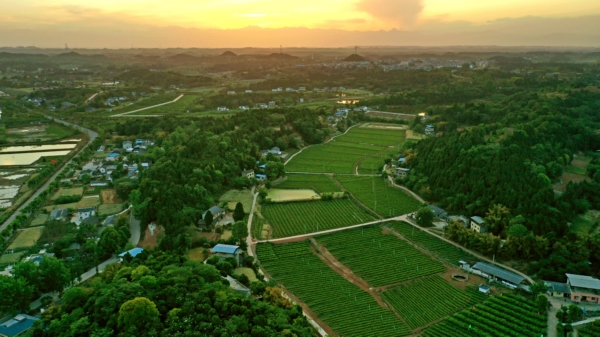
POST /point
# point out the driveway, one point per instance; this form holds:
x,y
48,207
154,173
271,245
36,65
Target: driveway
x,y
134,228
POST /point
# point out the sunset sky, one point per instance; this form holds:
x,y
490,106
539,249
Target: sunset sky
x,y
211,23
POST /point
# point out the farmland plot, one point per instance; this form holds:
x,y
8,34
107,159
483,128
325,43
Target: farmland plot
x,y
344,307
378,258
505,315
306,217
429,299
378,196
440,248
319,183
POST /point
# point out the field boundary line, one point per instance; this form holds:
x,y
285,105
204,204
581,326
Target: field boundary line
x,y
411,193
336,174
308,235
148,107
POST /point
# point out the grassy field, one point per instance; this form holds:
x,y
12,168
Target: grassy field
x,y
279,195
319,183
65,206
506,315
378,258
232,197
440,248
184,104
26,238
374,164
378,196
343,306
248,272
196,254
65,192
429,299
584,224
306,217
342,154
91,201
108,209
40,219
7,259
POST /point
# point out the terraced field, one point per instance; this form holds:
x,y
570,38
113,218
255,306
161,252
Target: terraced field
x,y
319,183
440,248
378,196
344,307
429,299
378,258
289,219
506,315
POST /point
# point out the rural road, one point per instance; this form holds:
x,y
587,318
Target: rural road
x,y
92,272
249,238
92,136
146,108
134,228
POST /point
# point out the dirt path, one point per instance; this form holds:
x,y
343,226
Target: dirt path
x,y
146,108
411,193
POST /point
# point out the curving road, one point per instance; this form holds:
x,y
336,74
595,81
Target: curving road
x,y
93,135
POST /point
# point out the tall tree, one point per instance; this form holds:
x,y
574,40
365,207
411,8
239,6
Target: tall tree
x,y
138,315
424,217
240,230
238,213
54,276
16,294
497,219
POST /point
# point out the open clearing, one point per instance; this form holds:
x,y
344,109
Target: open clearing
x,y
67,192
109,209
27,238
319,183
196,254
40,219
276,195
10,258
91,201
567,177
109,196
226,235
583,224
248,272
411,135
232,197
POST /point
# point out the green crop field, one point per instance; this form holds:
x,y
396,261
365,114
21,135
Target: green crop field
x,y
429,299
374,193
7,259
378,258
374,164
505,315
319,183
109,209
344,307
440,248
289,219
342,154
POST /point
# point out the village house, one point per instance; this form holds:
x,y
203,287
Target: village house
x,y
59,214
557,289
222,108
17,325
478,224
438,212
85,213
261,177
217,212
460,219
101,148
228,251
99,183
243,107
505,277
112,157
127,144
584,288
429,130
248,174
402,172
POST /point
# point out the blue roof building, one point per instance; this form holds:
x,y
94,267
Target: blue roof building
x,y
228,251
261,176
17,325
133,252
401,160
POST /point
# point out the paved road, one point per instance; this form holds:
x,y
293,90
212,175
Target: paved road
x,y
92,136
92,272
92,97
134,228
146,108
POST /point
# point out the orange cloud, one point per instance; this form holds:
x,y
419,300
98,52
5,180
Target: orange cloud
x,y
398,13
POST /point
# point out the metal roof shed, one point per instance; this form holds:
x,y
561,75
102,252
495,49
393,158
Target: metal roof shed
x,y
133,252
499,273
225,249
582,281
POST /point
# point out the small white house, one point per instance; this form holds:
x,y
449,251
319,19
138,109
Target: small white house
x,y
222,108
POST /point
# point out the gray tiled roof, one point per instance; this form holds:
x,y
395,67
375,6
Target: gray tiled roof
x,y
499,273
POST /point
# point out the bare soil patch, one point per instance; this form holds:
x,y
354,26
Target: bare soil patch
x,y
568,177
150,241
411,135
109,196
